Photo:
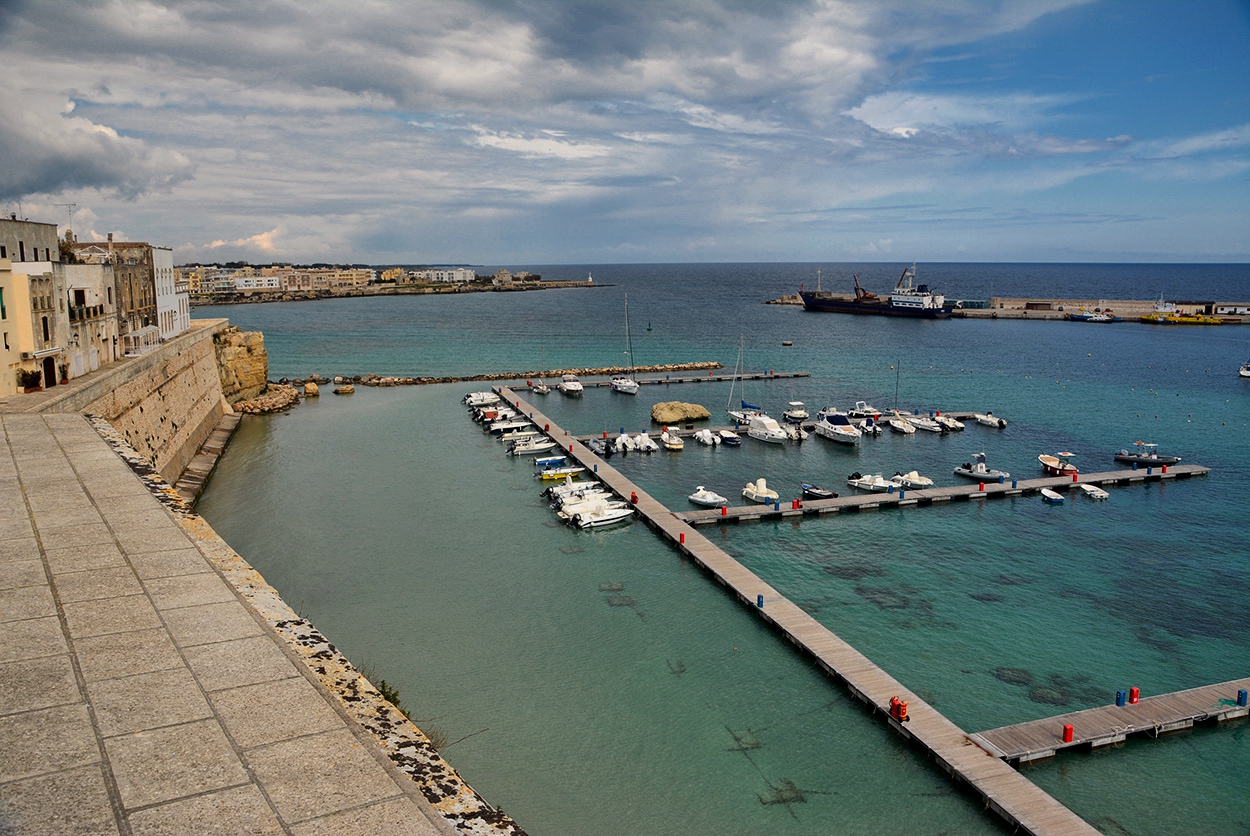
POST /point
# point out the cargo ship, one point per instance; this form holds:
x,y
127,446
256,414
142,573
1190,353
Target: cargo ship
x,y
908,299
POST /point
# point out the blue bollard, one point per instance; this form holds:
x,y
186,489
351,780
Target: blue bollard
x,y
1134,465
1241,697
901,493
1149,471
622,430
596,468
759,601
890,489
1120,696
1002,479
1013,484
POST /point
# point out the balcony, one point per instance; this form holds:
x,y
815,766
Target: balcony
x,y
82,313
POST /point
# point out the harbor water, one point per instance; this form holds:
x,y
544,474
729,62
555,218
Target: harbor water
x,y
596,683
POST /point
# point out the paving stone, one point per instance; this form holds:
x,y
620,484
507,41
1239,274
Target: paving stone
x,y
189,591
89,534
230,664
173,762
136,540
80,558
110,615
395,817
30,684
69,803
314,776
26,602
138,518
211,623
123,654
22,573
16,525
146,701
112,582
239,810
76,511
256,715
169,564
32,638
39,742
13,547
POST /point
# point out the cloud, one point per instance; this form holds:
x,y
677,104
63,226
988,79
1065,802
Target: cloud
x,y
262,241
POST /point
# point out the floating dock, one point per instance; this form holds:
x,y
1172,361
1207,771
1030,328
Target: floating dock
x,y
928,496
1105,725
1014,797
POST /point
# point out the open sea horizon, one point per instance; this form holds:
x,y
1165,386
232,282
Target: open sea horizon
x,y
596,683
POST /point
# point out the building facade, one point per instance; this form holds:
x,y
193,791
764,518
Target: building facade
x,y
34,321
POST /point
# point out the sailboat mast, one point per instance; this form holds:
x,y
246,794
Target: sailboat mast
x,y
629,338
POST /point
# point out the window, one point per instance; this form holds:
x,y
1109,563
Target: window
x,y
3,315
6,340
21,249
4,251
47,333
110,290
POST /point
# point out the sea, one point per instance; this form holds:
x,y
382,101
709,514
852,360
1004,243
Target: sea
x,y
596,683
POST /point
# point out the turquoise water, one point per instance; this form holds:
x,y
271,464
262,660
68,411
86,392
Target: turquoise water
x,y
598,684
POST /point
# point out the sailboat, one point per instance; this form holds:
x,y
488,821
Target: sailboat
x,y
541,388
625,384
743,414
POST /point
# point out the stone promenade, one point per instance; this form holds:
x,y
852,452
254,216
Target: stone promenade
x,y
140,692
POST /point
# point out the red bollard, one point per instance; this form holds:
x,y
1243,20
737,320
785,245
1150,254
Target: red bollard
x,y
605,433
1074,476
633,497
1134,694
1165,468
724,510
546,427
570,448
982,487
1067,732
682,538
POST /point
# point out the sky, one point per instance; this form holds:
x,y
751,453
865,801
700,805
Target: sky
x,y
529,132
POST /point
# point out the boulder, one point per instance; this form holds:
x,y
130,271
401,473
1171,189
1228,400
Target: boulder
x,y
311,390
344,390
676,412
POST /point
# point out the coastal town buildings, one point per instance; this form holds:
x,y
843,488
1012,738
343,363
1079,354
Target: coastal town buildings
x,y
93,326
33,317
153,304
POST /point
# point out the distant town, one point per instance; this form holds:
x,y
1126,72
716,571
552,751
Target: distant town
x,y
68,308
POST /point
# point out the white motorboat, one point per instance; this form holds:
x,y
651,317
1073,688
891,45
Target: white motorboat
x,y
501,427
876,484
570,510
730,438
570,385
707,438
1145,453
517,435
1058,464
867,426
1093,491
863,410
924,422
837,426
1244,371
1053,497
989,419
625,383
758,491
762,428
476,399
531,446
645,443
624,443
796,411
603,517
811,491
540,388
491,414
794,432
900,424
911,480
702,496
977,471
671,440
951,424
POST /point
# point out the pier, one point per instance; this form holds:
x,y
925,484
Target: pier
x,y
1105,725
708,378
1014,797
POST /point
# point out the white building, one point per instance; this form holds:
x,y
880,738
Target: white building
x,y
173,301
258,282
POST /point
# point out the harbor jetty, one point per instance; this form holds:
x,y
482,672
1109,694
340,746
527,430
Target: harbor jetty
x,y
1011,795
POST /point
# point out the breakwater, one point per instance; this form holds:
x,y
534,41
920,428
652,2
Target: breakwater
x,y
394,380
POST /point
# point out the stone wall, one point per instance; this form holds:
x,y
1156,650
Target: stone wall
x,y
242,362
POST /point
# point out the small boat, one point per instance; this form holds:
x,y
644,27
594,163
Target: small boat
x,y
868,426
862,410
644,443
762,428
814,492
989,419
531,446
624,443
836,426
551,461
570,385
1244,371
795,412
476,399
911,480
540,388
1093,491
591,504
624,385
876,484
702,496
601,447
510,425
1058,464
794,432
568,503
1167,313
1145,453
1052,497
603,517
671,440
951,424
977,471
758,491
559,472
730,438
707,438
517,435
924,422
900,424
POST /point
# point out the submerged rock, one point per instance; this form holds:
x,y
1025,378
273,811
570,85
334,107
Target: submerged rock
x,y
346,389
675,412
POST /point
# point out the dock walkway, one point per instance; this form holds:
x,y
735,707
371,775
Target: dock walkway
x,y
1108,724
930,496
1014,797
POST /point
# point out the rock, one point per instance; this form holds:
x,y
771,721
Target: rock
x,y
675,412
311,390
344,390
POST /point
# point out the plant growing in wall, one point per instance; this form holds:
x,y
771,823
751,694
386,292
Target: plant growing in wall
x,y
28,380
64,370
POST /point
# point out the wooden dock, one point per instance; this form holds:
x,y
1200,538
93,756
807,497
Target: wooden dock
x,y
1109,724
1018,800
856,501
